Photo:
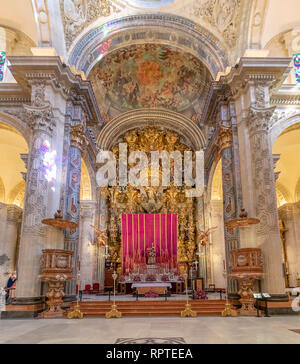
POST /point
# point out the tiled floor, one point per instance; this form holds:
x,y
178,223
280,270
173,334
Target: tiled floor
x,y
275,330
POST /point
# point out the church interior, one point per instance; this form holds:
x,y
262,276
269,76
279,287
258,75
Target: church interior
x,y
189,110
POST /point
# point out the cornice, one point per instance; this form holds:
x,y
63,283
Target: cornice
x,y
27,70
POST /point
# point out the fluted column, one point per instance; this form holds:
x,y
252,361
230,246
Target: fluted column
x,y
264,190
78,142
88,246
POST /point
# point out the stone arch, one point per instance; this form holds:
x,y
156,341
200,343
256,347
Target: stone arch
x,y
212,184
16,123
2,191
216,187
283,122
190,133
17,194
297,191
90,175
283,195
85,185
172,30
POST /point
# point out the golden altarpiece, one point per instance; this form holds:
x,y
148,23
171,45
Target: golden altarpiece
x,y
136,200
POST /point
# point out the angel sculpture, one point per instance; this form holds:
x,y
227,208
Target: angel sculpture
x,y
102,238
204,236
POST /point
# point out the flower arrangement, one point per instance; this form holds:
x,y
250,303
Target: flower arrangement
x,y
122,279
181,279
200,295
165,278
150,278
151,294
136,279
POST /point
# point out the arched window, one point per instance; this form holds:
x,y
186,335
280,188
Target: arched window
x,y
2,65
297,66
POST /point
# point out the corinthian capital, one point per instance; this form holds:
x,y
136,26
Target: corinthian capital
x,y
259,119
78,138
224,138
40,118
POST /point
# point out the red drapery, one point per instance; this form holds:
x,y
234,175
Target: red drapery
x,y
141,231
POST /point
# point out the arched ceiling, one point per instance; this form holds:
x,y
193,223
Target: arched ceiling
x,y
274,21
150,76
19,15
288,146
12,144
227,20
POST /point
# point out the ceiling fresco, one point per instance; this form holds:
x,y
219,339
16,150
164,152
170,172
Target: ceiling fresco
x,y
151,76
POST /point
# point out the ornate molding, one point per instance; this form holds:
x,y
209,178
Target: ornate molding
x,y
190,133
34,72
259,119
224,138
224,16
40,118
287,100
78,138
77,15
160,28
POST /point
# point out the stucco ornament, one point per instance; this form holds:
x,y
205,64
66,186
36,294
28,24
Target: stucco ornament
x,y
75,13
223,14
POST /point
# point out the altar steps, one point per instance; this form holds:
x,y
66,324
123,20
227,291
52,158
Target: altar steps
x,y
152,308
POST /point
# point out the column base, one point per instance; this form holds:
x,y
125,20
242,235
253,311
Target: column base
x,y
24,308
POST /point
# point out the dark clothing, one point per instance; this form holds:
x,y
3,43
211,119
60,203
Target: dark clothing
x,y
10,283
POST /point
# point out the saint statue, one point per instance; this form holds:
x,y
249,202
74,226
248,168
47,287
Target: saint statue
x,y
102,238
151,256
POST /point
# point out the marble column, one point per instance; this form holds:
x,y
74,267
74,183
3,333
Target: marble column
x,y
14,218
290,215
202,251
264,191
77,144
103,218
38,198
88,244
230,208
218,259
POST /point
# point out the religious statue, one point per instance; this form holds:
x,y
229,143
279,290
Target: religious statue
x,y
151,256
102,238
204,236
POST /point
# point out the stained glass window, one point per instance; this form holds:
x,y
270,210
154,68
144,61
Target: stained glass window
x,y
297,67
2,65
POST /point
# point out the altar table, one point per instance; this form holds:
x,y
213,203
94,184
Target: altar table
x,y
159,288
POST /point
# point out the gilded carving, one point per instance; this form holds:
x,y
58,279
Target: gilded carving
x,y
224,138
78,138
159,199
